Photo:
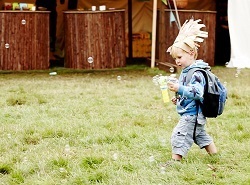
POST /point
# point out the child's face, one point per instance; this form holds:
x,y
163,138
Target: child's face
x,y
182,58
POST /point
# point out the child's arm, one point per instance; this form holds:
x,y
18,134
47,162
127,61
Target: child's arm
x,y
195,88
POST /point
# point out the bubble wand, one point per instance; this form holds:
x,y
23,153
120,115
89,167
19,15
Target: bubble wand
x,y
164,88
162,82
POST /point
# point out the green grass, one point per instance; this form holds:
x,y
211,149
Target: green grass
x,y
87,127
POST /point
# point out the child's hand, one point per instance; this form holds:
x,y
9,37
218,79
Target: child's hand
x,y
173,86
174,100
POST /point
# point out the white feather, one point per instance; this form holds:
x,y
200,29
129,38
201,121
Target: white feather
x,y
191,33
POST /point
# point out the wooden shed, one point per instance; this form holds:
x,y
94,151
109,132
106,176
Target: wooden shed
x,y
95,39
24,40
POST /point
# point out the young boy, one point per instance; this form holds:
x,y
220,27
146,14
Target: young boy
x,y
184,52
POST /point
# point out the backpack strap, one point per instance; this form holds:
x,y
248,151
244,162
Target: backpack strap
x,y
196,121
191,72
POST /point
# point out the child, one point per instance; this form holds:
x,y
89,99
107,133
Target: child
x,y
184,52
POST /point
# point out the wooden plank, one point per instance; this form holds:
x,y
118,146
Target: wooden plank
x,y
100,36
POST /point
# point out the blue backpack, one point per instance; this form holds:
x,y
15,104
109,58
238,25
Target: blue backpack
x,y
215,93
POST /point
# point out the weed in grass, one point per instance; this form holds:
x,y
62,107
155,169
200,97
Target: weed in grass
x,y
128,167
91,162
17,177
241,136
12,101
235,96
212,159
80,181
54,133
5,169
41,99
189,176
61,162
32,139
240,127
98,177
241,103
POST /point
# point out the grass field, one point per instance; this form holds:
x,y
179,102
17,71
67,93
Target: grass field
x,y
93,127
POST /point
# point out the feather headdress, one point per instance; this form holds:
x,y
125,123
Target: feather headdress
x,y
189,36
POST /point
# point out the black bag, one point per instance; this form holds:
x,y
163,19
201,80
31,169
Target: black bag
x,y
215,94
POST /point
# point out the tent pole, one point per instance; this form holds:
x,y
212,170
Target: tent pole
x,y
130,31
177,15
154,34
162,30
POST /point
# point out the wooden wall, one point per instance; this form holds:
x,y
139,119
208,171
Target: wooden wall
x,y
24,40
96,34
168,32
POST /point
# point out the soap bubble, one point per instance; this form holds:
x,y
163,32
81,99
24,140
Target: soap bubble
x,y
119,78
67,148
151,159
225,83
236,75
173,75
62,170
115,156
90,60
7,46
162,170
155,79
169,118
25,159
226,64
23,22
238,70
171,69
163,141
155,82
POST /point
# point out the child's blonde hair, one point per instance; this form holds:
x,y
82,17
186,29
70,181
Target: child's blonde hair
x,y
174,51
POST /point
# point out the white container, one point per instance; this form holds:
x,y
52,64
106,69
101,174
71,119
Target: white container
x,y
53,73
93,8
102,7
33,8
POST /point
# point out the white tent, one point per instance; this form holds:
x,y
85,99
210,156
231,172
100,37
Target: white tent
x,y
239,27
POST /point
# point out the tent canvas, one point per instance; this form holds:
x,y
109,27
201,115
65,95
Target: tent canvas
x,y
239,26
